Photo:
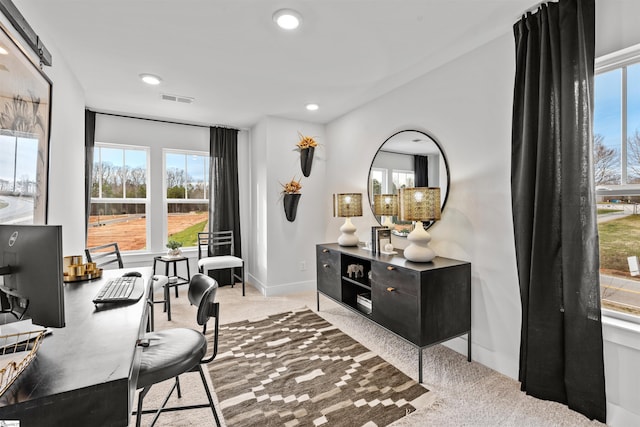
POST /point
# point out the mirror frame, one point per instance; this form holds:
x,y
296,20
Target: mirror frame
x,y
446,165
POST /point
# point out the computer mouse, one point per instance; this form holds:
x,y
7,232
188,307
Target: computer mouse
x,y
132,274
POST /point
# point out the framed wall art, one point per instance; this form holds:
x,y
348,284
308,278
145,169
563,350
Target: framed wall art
x,y
25,111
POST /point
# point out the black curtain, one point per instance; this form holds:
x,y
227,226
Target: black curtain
x,y
554,214
89,144
421,170
224,200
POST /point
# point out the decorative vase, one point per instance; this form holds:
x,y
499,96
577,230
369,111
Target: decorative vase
x,y
306,159
174,252
291,205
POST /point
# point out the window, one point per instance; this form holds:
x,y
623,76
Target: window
x,y
617,176
18,172
119,201
187,195
402,179
378,181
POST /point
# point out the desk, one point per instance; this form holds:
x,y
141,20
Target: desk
x,y
84,374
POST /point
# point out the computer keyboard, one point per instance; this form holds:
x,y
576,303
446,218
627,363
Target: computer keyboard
x,y
120,289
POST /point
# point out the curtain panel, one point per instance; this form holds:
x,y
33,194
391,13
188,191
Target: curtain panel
x,y
421,168
224,193
554,212
89,144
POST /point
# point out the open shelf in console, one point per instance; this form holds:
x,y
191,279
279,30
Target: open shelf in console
x,y
356,283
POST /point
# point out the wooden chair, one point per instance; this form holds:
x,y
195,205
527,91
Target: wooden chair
x,y
105,255
216,252
169,353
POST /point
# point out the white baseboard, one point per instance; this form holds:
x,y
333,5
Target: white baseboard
x,y
282,289
617,416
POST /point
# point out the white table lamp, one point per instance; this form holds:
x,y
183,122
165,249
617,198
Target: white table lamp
x,y
386,205
419,204
346,205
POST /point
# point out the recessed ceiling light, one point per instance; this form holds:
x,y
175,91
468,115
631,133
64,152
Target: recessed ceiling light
x,y
3,51
287,19
150,79
312,107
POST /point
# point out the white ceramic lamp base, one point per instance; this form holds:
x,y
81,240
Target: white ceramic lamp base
x,y
348,237
418,249
387,222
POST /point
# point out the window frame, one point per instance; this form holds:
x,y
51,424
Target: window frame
x,y
620,60
133,200
166,200
404,172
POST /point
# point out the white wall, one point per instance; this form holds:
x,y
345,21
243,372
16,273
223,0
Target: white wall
x,y
451,104
285,251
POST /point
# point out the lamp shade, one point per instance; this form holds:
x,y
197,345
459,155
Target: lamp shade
x,y
346,205
385,204
419,204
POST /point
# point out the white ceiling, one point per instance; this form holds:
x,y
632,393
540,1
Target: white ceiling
x,y
230,57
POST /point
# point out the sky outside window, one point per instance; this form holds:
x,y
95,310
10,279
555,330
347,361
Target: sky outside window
x,y
633,121
608,110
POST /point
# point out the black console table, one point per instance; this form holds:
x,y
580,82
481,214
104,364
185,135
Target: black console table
x,y
423,303
84,374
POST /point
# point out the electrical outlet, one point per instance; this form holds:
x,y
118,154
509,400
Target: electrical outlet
x,y
303,265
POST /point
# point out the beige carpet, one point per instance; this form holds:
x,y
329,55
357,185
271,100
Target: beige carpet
x,y
469,394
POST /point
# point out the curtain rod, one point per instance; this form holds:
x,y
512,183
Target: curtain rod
x,y
163,120
534,9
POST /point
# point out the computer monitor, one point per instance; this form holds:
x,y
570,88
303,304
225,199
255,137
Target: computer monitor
x,y
31,272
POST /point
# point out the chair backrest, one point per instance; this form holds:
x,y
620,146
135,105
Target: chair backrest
x,y
202,294
214,243
105,255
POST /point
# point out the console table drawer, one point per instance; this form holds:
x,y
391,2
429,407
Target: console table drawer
x,y
328,272
396,309
402,280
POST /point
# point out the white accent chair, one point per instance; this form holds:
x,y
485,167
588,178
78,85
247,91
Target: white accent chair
x,y
216,251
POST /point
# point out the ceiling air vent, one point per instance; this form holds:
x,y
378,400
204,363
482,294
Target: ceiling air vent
x,y
178,98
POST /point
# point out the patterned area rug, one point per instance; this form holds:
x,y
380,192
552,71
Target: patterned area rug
x,y
295,369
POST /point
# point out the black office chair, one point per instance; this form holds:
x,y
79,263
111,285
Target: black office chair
x,y
171,352
105,255
216,251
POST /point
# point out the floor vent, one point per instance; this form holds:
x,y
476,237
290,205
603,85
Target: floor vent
x,y
178,98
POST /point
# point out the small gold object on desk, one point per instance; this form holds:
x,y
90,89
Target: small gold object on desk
x,y
76,271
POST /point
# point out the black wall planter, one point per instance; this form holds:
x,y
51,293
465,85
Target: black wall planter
x,y
306,159
291,205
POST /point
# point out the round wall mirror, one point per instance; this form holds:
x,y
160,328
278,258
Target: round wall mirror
x,y
408,158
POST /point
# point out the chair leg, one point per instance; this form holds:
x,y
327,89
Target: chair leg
x,y
152,321
141,396
158,411
206,389
243,279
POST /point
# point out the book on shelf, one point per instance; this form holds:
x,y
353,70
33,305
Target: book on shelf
x,y
375,248
363,302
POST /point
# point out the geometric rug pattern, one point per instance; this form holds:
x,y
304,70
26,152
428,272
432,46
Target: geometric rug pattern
x,y
296,369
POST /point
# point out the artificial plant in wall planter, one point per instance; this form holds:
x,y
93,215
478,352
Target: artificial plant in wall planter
x,y
291,193
307,146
